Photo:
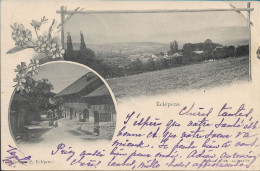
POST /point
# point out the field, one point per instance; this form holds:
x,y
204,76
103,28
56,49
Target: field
x,y
196,76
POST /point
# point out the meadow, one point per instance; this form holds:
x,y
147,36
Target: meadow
x,y
196,76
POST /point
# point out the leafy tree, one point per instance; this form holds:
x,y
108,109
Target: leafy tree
x,y
150,65
161,53
165,63
85,56
208,41
158,64
39,95
242,50
137,66
187,49
208,45
104,69
230,51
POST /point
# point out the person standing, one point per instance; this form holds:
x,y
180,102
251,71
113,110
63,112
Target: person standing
x,y
50,114
56,122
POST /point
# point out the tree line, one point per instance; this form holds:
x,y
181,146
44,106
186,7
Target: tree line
x,y
190,54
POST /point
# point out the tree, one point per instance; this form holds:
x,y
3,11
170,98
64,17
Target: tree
x,y
187,49
82,42
208,41
69,52
208,48
230,51
138,66
175,46
150,65
69,44
158,64
39,95
165,63
242,50
161,54
208,45
84,55
171,48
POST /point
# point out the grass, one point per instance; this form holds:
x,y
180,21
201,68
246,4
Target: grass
x,y
196,76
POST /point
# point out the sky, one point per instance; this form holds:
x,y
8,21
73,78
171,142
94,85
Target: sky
x,y
60,74
155,27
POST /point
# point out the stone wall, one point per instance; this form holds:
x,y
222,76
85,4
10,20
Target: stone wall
x,y
86,126
106,131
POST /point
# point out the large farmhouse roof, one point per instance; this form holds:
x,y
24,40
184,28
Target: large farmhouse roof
x,y
79,84
101,91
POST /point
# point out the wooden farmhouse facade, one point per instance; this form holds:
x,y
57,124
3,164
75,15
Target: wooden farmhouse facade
x,y
88,102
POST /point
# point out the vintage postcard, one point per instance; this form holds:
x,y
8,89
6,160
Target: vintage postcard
x,y
130,85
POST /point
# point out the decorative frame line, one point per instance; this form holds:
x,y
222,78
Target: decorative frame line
x,y
63,11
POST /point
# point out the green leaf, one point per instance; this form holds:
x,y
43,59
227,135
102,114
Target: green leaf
x,y
18,48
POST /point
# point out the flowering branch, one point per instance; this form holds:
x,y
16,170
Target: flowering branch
x,y
258,53
50,29
37,25
23,72
43,44
36,32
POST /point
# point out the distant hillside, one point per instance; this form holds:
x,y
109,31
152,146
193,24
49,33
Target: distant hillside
x,y
126,48
223,35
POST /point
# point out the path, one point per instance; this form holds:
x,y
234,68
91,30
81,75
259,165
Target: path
x,y
66,132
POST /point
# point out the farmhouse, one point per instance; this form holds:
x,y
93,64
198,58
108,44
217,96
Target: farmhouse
x,y
88,102
198,51
218,48
177,54
166,53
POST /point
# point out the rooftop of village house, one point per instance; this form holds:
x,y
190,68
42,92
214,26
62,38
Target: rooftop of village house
x,y
101,91
79,84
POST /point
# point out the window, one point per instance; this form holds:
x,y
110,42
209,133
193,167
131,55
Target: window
x,y
105,117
